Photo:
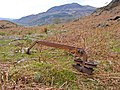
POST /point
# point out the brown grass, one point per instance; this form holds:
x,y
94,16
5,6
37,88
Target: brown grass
x,y
98,35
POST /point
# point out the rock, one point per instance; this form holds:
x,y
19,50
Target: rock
x,y
116,18
102,25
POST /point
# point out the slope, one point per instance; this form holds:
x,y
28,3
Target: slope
x,y
98,34
7,24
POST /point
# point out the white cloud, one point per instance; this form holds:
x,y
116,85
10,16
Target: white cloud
x,y
96,3
19,8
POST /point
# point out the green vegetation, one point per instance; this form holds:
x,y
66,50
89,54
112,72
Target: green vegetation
x,y
45,73
50,67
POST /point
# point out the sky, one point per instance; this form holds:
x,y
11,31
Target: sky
x,y
20,8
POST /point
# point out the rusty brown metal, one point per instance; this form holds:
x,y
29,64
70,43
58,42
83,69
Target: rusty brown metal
x,y
74,50
81,63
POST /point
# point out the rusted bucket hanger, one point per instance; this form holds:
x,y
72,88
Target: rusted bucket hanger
x,y
80,56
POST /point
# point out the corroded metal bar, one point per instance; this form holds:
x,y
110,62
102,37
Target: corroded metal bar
x,y
80,56
79,52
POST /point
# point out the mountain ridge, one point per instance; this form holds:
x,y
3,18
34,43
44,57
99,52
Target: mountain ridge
x,y
56,14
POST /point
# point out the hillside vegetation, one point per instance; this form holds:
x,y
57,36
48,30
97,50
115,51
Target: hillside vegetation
x,y
7,24
51,69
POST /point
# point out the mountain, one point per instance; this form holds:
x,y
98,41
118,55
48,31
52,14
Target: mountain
x,y
57,14
104,20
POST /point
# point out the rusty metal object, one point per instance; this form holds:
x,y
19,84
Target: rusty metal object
x,y
84,69
81,64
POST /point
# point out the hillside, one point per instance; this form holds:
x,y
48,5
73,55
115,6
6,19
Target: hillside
x,y
50,68
112,5
57,14
7,24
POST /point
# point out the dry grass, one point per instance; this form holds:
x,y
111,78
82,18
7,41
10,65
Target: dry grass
x,y
97,34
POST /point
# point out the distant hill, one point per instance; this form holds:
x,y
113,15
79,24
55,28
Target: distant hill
x,y
57,14
5,18
7,24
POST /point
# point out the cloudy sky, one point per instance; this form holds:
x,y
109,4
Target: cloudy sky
x,y
20,8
